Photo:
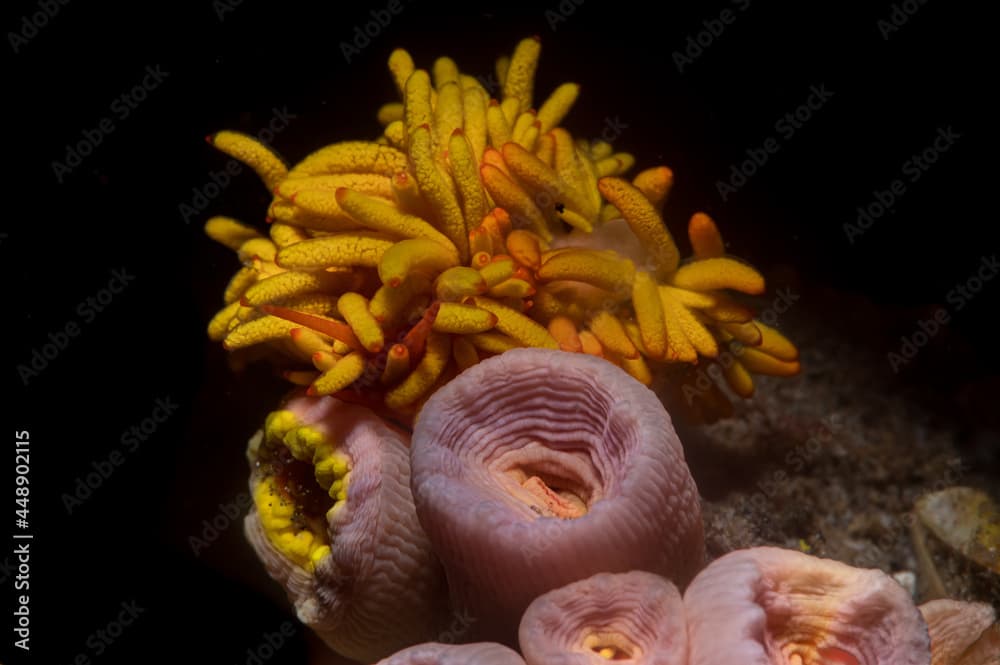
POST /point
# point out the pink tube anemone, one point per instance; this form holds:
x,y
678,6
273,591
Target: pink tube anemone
x,y
770,606
334,523
436,653
635,617
962,633
537,468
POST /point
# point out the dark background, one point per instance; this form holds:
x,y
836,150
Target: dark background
x,y
120,209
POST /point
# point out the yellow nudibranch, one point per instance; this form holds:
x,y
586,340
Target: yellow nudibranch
x,y
472,226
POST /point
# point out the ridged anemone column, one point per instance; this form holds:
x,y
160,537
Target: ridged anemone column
x,y
537,468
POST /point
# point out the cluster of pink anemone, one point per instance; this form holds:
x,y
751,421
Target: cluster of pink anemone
x,y
542,513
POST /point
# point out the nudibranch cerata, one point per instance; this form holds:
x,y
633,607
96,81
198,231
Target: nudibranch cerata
x,y
471,226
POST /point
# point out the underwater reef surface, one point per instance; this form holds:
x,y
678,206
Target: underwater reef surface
x,y
834,461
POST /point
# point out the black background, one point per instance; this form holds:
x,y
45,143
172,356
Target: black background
x,y
119,209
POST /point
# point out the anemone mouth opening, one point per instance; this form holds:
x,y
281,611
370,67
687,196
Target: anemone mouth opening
x,y
296,483
809,634
835,656
552,495
552,483
827,656
301,482
611,646
801,652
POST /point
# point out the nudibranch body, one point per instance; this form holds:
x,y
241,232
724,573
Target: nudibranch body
x,y
461,232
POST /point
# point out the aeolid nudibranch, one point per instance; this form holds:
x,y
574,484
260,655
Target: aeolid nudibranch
x,y
469,227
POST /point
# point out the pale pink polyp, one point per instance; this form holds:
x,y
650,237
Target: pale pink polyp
x,y
955,627
640,613
761,606
562,414
382,587
436,653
